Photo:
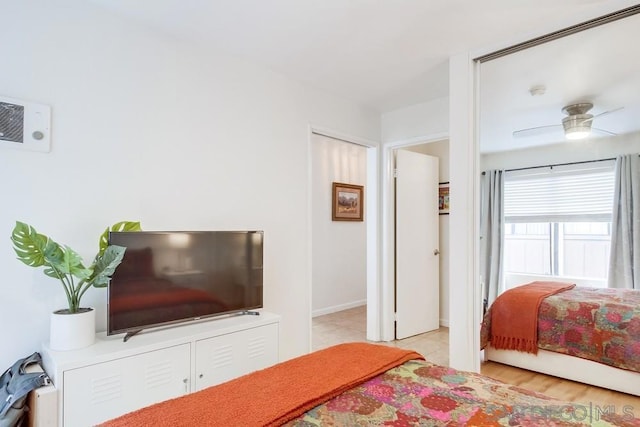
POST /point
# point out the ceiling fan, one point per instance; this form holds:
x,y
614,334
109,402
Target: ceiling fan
x,y
576,125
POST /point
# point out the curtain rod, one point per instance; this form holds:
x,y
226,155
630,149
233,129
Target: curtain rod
x,y
592,23
557,164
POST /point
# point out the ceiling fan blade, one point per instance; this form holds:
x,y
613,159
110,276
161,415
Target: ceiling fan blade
x,y
536,131
604,113
603,132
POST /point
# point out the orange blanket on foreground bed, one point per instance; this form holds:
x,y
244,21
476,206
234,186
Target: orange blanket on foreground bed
x,y
514,315
274,395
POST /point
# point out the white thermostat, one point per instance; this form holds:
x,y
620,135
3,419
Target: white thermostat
x,y
24,125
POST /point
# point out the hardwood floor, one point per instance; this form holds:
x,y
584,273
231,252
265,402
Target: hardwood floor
x,y
561,389
350,325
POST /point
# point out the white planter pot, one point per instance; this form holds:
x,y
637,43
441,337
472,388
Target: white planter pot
x,y
72,331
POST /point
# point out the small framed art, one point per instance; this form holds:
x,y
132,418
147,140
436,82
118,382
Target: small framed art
x,y
347,202
443,198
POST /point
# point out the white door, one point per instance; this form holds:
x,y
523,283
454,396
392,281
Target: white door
x,y
417,260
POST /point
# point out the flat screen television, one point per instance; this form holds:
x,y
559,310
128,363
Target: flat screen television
x,y
171,277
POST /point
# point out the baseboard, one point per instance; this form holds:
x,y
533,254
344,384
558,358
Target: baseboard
x,y
336,308
444,322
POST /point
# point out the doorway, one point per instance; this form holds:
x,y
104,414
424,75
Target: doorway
x,y
344,254
379,229
434,145
339,252
346,325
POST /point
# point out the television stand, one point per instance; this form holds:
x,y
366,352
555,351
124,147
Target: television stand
x,y
249,312
110,378
130,334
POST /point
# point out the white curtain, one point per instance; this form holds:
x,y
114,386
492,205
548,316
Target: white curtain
x,y
491,233
624,262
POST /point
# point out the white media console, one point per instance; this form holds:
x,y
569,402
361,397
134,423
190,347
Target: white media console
x,y
112,377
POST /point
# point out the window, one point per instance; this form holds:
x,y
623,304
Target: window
x,y
558,220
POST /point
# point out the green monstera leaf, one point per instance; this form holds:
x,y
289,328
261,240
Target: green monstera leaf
x,y
118,226
34,249
65,264
72,264
106,265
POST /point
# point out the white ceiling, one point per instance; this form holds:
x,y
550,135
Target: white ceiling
x,y
382,54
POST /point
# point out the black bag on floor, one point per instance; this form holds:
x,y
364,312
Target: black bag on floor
x,y
15,385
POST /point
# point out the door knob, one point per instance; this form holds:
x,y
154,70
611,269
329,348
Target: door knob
x,y
436,251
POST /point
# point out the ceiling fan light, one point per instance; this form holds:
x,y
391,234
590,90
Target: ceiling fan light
x,y
577,126
574,134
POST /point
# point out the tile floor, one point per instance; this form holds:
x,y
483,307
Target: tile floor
x,y
350,325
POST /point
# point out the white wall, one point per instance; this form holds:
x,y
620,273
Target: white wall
x,y
148,128
440,149
570,151
339,271
416,121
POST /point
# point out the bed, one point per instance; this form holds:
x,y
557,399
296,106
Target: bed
x,y
367,384
583,334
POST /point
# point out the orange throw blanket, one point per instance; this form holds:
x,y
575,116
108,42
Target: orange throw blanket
x,y
275,395
514,315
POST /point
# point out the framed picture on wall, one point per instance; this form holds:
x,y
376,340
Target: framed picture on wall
x,y
347,202
443,198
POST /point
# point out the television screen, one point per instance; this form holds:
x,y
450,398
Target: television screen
x,y
168,277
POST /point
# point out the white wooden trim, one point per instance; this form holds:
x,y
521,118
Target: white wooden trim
x,y
464,287
426,139
387,302
569,367
372,202
309,275
320,130
339,307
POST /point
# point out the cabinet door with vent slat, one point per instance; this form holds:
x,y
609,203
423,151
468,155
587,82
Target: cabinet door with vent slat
x,y
96,393
229,356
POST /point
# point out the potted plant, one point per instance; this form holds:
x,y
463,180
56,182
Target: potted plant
x,y
72,327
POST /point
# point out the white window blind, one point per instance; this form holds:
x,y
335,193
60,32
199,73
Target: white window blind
x,y
570,193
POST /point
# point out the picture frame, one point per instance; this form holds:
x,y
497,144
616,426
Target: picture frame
x,y
443,198
347,202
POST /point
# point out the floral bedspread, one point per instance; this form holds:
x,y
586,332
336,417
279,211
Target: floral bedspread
x,y
602,325
595,324
419,393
